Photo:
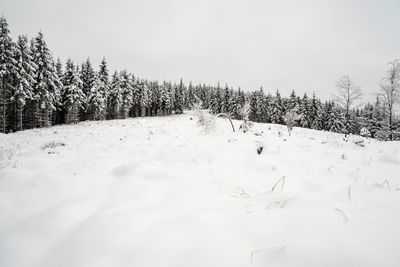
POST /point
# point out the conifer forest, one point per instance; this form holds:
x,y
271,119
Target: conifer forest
x,y
38,90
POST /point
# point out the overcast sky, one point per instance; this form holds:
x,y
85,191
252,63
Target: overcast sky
x,y
288,44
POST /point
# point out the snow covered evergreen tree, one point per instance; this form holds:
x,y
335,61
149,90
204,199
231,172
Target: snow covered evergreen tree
x,y
114,102
225,100
126,88
334,120
96,101
87,76
47,83
145,99
8,69
166,98
292,102
278,110
179,97
73,97
59,114
24,80
154,87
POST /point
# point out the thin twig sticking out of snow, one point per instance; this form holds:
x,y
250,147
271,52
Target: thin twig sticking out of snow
x,y
282,181
228,117
387,184
349,193
343,214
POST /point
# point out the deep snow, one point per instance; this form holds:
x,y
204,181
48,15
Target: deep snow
x,y
162,192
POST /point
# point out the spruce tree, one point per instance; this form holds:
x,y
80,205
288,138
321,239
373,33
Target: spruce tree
x,y
126,88
74,98
292,102
145,99
47,83
8,69
114,102
278,110
226,99
166,98
178,103
24,79
87,76
261,108
96,102
59,117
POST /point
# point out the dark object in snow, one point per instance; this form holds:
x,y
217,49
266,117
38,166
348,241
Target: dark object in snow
x,y
259,133
260,150
52,144
359,143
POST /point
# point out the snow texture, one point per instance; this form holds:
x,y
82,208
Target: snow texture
x,y
161,192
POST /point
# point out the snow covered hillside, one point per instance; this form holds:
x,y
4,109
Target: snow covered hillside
x,y
162,192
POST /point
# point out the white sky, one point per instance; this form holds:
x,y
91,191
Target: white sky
x,y
288,44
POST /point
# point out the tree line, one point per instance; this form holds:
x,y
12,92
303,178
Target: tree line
x,y
38,91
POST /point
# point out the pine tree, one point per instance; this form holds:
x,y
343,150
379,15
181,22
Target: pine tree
x,y
126,94
114,103
47,83
74,98
278,110
292,102
191,96
155,97
166,98
304,110
59,117
179,101
87,76
24,79
96,102
104,78
8,69
226,99
334,120
145,99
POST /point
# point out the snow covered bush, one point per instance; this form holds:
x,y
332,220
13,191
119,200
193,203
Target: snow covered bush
x,y
364,132
244,113
204,118
290,119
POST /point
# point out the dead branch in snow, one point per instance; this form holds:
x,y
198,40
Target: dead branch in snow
x,y
343,214
228,117
281,181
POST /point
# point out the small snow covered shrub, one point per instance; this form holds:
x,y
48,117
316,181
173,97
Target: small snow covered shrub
x,y
290,119
244,113
364,132
52,144
204,118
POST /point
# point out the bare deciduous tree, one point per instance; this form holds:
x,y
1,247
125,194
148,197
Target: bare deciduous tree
x,y
348,93
390,89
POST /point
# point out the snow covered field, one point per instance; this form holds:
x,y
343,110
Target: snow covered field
x,y
161,192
